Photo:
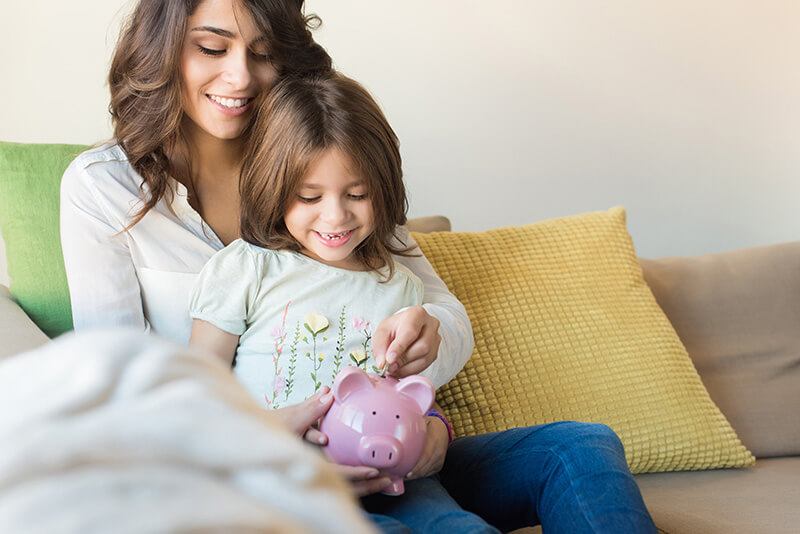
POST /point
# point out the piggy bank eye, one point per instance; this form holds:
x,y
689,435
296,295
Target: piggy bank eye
x,y
397,416
373,413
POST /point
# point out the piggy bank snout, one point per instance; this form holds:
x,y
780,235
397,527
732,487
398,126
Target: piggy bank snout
x,y
380,451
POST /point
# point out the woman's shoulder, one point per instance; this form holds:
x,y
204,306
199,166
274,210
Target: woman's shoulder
x,y
104,165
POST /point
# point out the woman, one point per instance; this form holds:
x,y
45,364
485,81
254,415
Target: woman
x,y
142,215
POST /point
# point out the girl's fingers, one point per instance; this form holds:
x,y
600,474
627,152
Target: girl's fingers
x,y
316,437
300,417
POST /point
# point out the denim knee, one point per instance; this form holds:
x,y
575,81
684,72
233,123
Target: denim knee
x,y
598,438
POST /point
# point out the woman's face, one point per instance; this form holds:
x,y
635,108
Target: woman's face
x,y
224,67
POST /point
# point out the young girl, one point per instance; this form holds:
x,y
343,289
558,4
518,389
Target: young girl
x,y
298,297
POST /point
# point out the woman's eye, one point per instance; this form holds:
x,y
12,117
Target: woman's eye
x,y
263,56
357,197
307,200
210,51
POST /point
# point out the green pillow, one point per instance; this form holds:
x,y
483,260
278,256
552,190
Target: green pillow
x,y
30,179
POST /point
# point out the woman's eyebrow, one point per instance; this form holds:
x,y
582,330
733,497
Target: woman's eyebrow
x,y
226,33
212,29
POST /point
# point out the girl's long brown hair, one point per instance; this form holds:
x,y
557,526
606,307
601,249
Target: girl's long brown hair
x,y
301,119
145,84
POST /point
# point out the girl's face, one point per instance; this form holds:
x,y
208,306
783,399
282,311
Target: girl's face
x,y
331,213
224,67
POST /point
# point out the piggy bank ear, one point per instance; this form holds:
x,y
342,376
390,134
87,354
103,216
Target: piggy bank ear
x,y
348,381
420,389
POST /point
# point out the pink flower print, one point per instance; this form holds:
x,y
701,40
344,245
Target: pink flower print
x,y
360,324
277,333
279,384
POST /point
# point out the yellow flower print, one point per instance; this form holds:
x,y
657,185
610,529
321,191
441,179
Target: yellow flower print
x,y
315,323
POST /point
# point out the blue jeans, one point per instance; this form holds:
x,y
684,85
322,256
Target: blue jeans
x,y
570,477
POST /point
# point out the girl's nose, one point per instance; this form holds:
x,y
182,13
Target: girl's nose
x,y
334,211
236,71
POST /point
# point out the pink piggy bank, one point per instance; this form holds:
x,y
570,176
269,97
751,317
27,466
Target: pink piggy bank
x,y
378,422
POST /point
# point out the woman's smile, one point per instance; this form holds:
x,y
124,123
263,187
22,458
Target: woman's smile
x,y
230,106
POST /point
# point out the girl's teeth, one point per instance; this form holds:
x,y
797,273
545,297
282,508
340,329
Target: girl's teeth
x,y
333,236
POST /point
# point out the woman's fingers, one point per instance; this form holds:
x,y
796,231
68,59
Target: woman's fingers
x,y
436,443
363,480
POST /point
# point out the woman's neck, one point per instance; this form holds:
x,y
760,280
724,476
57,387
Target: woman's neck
x,y
212,159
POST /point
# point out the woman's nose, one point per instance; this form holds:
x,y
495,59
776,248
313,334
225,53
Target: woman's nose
x,y
236,71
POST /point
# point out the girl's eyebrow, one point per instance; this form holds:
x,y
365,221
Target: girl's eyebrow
x,y
314,185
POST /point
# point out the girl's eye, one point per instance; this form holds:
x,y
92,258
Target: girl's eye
x,y
358,197
210,51
307,200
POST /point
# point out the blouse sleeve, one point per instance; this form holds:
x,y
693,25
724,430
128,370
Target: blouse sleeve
x,y
103,287
454,326
226,288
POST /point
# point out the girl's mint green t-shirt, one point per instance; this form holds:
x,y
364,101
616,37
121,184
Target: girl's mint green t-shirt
x,y
300,321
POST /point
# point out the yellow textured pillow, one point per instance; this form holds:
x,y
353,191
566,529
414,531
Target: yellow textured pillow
x,y
567,329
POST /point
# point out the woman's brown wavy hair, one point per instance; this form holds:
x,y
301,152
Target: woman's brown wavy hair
x,y
300,120
145,81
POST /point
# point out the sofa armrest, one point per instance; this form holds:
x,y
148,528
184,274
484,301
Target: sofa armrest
x,y
17,332
431,223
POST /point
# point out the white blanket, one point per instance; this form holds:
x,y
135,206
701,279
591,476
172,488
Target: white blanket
x,y
122,432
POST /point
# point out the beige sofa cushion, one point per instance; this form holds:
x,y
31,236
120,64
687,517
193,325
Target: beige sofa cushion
x,y
764,498
738,314
17,332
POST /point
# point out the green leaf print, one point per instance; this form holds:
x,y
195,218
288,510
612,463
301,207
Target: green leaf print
x,y
340,340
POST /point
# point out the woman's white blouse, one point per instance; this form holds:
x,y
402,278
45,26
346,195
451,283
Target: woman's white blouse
x,y
143,277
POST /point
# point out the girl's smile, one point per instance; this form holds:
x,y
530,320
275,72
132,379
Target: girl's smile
x,y
331,214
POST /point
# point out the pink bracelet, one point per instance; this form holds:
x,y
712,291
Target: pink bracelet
x,y
434,413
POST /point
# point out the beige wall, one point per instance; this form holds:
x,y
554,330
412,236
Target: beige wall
x,y
509,112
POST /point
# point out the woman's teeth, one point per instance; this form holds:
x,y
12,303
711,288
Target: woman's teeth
x,y
229,102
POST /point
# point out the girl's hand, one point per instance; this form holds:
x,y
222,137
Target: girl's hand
x,y
437,439
363,480
299,418
407,342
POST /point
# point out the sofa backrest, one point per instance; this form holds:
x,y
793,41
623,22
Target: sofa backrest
x,y
738,314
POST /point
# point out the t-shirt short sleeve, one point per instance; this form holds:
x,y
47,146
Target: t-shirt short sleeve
x,y
225,288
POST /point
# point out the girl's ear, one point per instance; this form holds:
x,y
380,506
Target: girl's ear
x,y
348,381
420,389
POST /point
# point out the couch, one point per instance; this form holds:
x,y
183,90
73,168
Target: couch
x,y
738,315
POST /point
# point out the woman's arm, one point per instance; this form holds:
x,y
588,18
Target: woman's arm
x,y
103,286
455,330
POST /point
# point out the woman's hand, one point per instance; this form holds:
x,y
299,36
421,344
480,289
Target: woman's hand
x,y
363,480
300,418
407,342
437,440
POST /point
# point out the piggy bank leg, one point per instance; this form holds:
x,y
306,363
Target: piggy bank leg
x,y
396,488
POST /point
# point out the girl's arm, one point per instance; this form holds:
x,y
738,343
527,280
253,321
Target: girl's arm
x,y
103,286
455,330
210,338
